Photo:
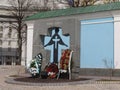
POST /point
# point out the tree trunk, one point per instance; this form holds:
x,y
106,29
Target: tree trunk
x,y
19,51
19,42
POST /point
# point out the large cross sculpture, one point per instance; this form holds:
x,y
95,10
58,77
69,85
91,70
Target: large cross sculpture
x,y
55,41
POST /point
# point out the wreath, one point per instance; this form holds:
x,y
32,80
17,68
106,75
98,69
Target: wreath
x,y
52,70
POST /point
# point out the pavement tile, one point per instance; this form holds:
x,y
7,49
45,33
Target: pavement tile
x,y
6,71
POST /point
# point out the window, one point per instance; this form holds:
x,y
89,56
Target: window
x,y
10,26
9,49
8,57
0,42
8,63
1,28
9,43
17,57
10,29
9,35
1,35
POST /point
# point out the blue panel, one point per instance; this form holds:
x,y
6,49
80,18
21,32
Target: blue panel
x,y
66,40
97,40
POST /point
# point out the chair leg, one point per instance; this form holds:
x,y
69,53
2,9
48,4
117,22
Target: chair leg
x,y
69,75
58,75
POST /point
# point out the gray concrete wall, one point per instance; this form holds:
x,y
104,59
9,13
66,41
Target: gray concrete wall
x,y
99,72
70,26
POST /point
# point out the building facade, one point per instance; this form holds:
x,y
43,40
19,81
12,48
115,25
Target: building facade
x,y
8,36
92,32
8,44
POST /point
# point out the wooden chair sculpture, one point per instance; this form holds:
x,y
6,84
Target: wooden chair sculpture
x,y
65,63
35,65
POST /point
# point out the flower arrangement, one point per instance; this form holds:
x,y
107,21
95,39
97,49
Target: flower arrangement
x,y
52,70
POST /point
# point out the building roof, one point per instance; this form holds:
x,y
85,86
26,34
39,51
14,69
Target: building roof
x,y
75,11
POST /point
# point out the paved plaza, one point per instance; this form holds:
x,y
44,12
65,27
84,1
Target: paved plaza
x,y
6,71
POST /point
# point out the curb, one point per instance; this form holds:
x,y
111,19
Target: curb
x,y
107,82
10,80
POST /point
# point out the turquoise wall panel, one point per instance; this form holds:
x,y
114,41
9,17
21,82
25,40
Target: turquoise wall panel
x,y
97,43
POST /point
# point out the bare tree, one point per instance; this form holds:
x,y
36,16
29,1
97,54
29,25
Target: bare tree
x,y
73,3
19,9
109,1
109,65
77,3
68,2
87,2
40,5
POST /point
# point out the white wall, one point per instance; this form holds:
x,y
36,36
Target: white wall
x,y
117,42
29,43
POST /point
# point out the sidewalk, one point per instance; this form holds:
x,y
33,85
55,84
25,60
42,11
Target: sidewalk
x,y
79,85
89,80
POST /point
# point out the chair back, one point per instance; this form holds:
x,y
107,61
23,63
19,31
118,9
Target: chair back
x,y
65,60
